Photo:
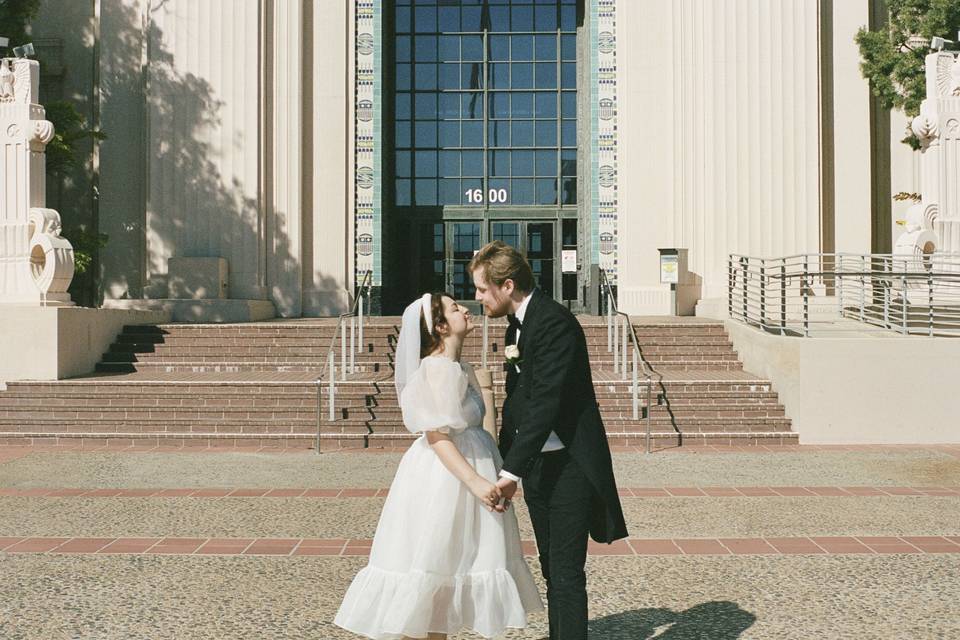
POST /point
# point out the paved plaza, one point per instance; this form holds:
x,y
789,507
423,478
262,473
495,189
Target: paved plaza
x,y
791,542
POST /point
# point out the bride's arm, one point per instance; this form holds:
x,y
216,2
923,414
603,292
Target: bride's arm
x,y
453,460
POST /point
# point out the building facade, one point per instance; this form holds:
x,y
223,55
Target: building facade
x,y
311,142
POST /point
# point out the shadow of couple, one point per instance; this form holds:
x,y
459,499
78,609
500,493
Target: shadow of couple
x,y
718,620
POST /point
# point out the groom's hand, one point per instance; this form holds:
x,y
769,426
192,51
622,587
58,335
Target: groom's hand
x,y
507,487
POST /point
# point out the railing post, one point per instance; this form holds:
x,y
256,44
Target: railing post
x,y
319,410
353,343
743,270
360,311
730,285
634,390
783,298
623,361
806,298
887,292
863,287
763,294
839,285
610,336
930,299
332,378
903,300
343,350
649,408
616,343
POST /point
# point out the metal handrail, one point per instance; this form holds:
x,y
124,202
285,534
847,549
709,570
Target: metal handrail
x,y
907,294
356,344
620,357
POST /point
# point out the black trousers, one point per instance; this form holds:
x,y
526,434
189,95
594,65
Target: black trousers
x,y
558,496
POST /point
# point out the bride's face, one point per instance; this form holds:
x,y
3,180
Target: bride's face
x,y
459,320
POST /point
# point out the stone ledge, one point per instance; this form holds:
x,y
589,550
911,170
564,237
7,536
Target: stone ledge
x,y
201,311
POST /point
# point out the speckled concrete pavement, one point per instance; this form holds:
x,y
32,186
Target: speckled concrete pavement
x,y
47,596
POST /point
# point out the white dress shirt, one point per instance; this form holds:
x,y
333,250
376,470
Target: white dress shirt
x,y
553,442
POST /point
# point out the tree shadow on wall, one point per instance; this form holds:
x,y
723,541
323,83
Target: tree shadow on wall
x,y
717,620
200,200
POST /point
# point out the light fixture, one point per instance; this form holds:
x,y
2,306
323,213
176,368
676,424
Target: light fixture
x,y
24,51
937,43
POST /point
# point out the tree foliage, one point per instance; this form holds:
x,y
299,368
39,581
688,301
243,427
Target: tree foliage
x,y
893,55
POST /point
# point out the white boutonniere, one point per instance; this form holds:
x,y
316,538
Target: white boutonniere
x,y
512,355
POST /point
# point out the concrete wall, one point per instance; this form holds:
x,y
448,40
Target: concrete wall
x,y
871,389
48,343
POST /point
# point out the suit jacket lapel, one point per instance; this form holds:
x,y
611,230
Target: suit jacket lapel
x,y
528,317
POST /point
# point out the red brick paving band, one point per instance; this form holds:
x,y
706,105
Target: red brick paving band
x,y
831,545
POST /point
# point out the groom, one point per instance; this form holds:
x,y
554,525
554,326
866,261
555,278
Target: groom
x,y
552,436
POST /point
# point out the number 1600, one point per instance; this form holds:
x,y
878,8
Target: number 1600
x,y
494,196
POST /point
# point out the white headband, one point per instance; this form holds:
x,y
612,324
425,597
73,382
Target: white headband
x,y
426,301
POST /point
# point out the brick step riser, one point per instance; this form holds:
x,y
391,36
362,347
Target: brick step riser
x,y
121,367
380,354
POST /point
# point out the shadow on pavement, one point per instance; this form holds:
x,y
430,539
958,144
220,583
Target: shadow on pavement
x,y
718,620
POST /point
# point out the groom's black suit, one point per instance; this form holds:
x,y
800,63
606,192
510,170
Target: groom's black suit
x,y
571,492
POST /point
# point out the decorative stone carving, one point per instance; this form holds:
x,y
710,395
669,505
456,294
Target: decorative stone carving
x,y
36,263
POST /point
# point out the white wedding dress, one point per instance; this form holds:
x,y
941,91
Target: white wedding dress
x,y
440,561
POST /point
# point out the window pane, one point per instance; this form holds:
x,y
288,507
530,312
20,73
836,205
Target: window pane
x,y
425,19
403,164
498,134
546,105
522,76
425,48
522,18
425,192
546,163
568,133
568,18
403,134
546,75
426,134
425,106
472,48
450,191
499,47
546,18
522,48
499,104
568,162
450,76
500,76
404,77
471,75
449,48
569,194
473,163
522,105
546,47
472,134
569,104
403,20
450,163
449,134
403,193
501,191
449,19
521,192
568,47
523,163
425,77
568,78
470,185
470,19
449,105
402,102
546,191
403,48
425,164
522,133
500,163
500,19
472,105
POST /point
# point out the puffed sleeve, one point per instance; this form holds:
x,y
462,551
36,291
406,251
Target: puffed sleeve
x,y
433,398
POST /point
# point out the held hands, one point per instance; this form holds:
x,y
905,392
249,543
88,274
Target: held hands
x,y
507,489
487,493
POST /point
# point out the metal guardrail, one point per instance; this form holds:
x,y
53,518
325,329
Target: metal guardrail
x,y
812,293
618,346
347,356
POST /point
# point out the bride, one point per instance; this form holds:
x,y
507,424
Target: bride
x,y
446,555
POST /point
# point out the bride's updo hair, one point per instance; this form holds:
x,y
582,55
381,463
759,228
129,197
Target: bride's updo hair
x,y
431,340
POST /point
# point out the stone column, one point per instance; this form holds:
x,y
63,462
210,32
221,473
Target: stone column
x,y
36,264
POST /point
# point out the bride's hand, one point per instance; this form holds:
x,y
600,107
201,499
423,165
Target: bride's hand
x,y
485,491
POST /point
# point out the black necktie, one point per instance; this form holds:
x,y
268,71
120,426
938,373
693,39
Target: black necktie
x,y
513,322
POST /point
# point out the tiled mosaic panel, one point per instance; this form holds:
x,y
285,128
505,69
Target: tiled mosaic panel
x,y
603,145
367,124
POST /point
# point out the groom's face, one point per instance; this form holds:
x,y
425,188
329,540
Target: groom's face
x,y
495,299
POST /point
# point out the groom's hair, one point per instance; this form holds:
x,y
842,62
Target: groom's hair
x,y
501,262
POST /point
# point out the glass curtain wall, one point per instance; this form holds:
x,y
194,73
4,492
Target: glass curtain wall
x,y
485,118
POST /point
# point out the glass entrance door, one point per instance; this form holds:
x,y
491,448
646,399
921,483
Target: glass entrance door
x,y
536,241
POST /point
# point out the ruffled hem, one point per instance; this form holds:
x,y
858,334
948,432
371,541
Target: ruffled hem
x,y
384,605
